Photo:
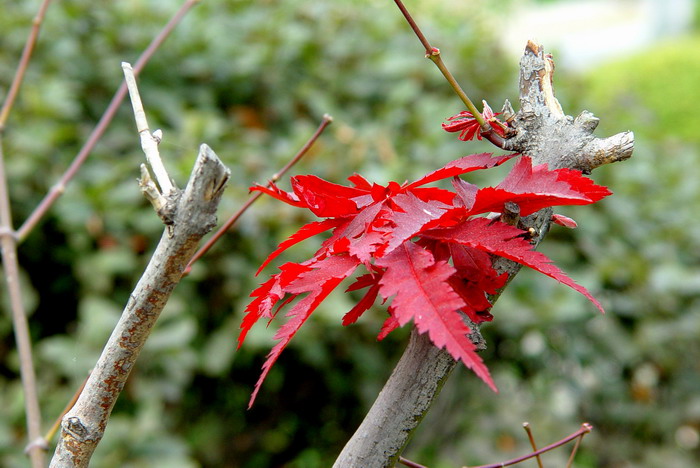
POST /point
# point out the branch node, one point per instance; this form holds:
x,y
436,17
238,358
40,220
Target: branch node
x,y
434,52
157,136
507,111
163,206
75,427
6,231
39,443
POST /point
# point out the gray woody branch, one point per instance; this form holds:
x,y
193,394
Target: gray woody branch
x,y
189,215
542,131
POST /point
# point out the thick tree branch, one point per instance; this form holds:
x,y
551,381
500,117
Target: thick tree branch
x,y
194,215
188,216
543,131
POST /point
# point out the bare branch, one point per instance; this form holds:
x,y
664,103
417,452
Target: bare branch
x,y
386,429
188,216
531,438
585,429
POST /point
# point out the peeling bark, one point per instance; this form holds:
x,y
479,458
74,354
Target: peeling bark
x,y
194,214
543,131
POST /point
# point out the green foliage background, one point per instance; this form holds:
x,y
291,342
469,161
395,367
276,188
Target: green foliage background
x,y
252,79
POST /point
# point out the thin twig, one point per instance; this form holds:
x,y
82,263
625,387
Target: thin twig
x,y
8,244
410,464
526,426
23,64
433,53
585,429
327,119
574,450
57,190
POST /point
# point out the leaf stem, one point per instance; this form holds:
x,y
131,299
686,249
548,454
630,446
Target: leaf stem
x,y
327,119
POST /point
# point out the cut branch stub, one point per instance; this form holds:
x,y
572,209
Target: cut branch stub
x,y
544,132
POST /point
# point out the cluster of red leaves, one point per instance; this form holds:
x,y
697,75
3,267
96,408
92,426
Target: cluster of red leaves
x,y
424,246
466,124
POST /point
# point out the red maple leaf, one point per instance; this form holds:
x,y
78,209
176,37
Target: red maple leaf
x,y
466,124
422,247
534,188
506,241
422,294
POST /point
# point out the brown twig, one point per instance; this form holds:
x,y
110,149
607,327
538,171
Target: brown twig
x,y
526,426
410,464
57,190
585,429
433,53
23,64
327,119
57,424
8,244
570,462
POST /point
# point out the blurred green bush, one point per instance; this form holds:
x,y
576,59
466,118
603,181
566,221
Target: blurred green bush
x,y
252,79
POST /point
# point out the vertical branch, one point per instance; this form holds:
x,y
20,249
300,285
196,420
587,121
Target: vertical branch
x,y
194,215
8,243
548,136
531,438
400,406
8,247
